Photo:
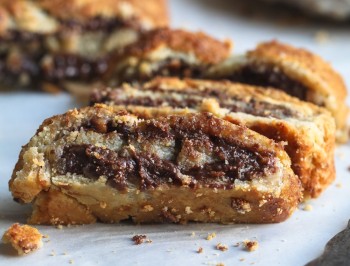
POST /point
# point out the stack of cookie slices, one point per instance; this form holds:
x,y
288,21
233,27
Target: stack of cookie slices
x,y
184,131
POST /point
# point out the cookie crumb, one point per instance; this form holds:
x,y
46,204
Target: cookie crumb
x,y
236,245
339,185
139,239
23,238
308,207
220,264
59,227
211,236
71,261
251,245
193,234
200,250
221,247
242,259
322,36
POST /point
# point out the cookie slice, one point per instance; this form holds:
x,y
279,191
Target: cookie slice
x,y
102,163
46,43
307,130
296,71
167,52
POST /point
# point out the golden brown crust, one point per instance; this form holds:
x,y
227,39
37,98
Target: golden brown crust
x,y
307,129
75,198
204,47
23,238
313,72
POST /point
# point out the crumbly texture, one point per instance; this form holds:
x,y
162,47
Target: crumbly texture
x,y
295,70
46,43
307,131
24,238
94,155
167,52
251,245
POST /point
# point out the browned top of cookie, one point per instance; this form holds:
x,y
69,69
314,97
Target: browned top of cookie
x,y
203,46
311,69
16,14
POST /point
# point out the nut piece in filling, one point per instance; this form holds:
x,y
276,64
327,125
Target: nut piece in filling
x,y
151,170
296,71
307,130
23,238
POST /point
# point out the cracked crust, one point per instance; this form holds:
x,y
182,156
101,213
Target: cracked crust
x,y
307,129
323,85
77,199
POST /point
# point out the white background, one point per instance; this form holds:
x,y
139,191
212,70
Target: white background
x,y
294,242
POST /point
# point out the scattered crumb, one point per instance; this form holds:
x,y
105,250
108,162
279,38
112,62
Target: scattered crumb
x,y
251,245
64,253
339,185
211,236
322,36
200,250
349,168
236,245
193,234
52,253
23,238
221,247
45,236
139,239
60,227
220,264
242,259
307,207
71,261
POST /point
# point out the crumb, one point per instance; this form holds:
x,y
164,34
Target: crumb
x,y
71,261
307,207
220,264
139,239
211,236
349,168
236,245
52,253
193,234
64,253
45,236
221,247
242,259
339,185
60,227
322,36
200,250
24,239
251,245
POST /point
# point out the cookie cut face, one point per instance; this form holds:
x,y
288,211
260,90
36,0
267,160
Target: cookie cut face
x,y
296,71
307,130
47,43
102,163
167,52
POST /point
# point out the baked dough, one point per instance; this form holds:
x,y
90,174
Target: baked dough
x,y
293,70
47,42
307,130
167,52
102,163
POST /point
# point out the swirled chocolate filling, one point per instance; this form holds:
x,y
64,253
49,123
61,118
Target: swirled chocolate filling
x,y
195,158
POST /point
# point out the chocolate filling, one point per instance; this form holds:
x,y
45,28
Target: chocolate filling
x,y
192,98
267,76
170,67
146,170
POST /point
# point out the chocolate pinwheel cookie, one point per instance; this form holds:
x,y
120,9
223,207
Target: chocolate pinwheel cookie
x,y
99,163
167,52
298,72
308,131
55,41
